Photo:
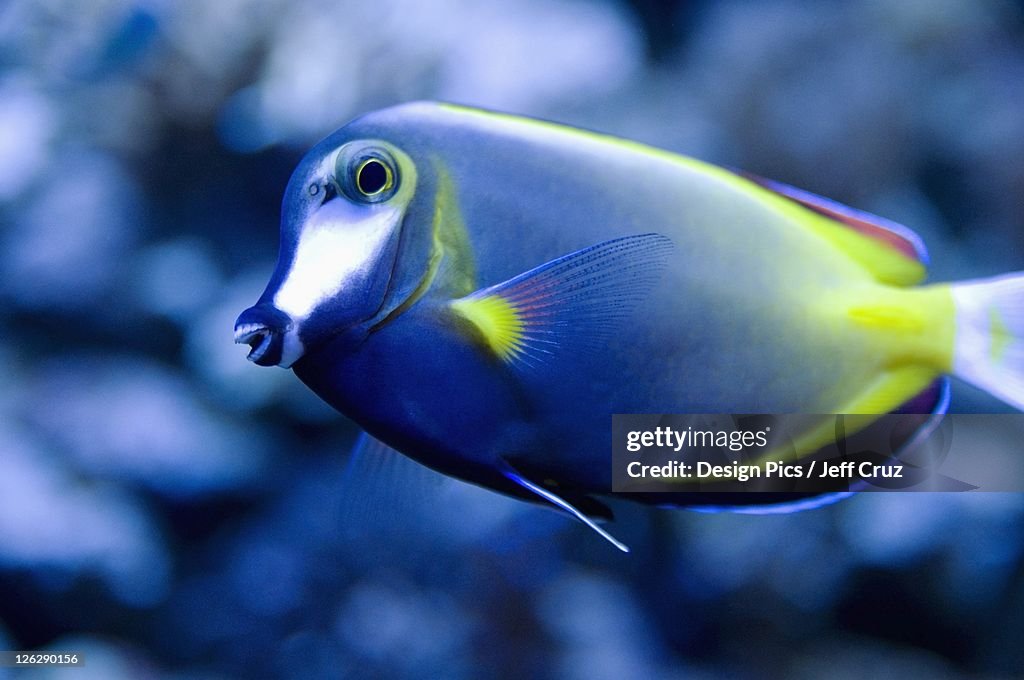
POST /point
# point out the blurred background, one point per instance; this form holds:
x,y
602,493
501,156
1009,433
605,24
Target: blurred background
x,y
172,511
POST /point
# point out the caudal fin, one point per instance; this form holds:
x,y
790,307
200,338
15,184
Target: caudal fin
x,y
989,350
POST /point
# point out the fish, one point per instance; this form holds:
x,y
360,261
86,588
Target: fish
x,y
480,292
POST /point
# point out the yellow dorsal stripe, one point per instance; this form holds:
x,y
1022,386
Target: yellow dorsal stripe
x,y
885,263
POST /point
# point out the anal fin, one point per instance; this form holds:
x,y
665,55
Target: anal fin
x,y
380,482
891,390
887,393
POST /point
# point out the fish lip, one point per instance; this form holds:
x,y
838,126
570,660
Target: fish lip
x,y
267,330
246,331
258,336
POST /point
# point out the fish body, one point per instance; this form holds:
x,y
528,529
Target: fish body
x,y
481,292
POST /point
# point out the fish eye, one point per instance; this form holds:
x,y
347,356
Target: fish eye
x,y
373,177
366,173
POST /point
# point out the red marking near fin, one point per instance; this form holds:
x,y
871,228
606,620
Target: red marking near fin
x,y
895,235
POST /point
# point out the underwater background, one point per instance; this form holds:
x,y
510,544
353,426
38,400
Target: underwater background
x,y
172,511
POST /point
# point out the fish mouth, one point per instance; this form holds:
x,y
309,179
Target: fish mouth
x,y
267,331
260,339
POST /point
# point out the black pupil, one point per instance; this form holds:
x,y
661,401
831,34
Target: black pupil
x,y
372,177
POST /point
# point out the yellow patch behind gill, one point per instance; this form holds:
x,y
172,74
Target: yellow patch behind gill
x,y
498,321
449,246
450,236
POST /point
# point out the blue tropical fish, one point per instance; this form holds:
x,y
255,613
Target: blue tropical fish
x,y
480,292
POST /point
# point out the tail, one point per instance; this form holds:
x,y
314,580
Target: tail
x,y
989,345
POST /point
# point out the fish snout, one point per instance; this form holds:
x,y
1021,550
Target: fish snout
x,y
269,333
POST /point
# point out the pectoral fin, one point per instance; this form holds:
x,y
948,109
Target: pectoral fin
x,y
573,302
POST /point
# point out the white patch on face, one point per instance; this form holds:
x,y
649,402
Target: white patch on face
x,y
291,350
336,248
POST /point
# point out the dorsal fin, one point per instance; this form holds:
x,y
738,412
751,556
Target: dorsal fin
x,y
891,252
891,233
